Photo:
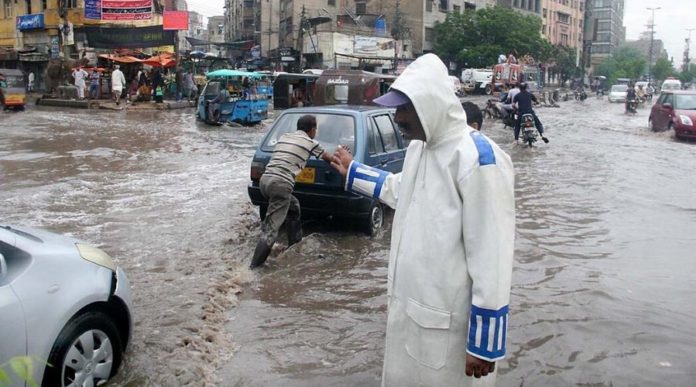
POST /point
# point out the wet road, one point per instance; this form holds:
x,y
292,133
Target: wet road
x,y
605,251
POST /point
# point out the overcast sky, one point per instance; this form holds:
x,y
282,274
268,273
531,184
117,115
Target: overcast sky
x,y
671,21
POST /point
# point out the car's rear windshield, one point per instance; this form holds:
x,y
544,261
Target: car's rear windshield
x,y
685,102
333,129
619,88
671,86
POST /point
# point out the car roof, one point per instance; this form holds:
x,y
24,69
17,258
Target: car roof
x,y
680,92
336,109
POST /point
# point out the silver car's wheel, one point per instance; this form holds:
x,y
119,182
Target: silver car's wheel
x,y
86,353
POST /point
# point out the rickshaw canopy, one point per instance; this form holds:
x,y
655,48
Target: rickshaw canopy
x,y
227,73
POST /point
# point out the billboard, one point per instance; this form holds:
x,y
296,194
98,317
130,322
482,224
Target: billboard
x,y
176,20
115,10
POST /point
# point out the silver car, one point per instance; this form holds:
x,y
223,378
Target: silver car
x,y
63,303
618,93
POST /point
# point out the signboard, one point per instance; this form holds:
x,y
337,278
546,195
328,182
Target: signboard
x,y
93,9
30,22
115,10
55,46
128,37
176,20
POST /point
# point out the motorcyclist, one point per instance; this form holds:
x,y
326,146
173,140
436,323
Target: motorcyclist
x,y
523,101
215,104
640,93
630,98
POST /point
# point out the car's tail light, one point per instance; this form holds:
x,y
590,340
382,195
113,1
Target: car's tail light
x,y
257,169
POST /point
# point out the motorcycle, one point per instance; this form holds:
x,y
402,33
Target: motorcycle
x,y
580,95
631,106
528,130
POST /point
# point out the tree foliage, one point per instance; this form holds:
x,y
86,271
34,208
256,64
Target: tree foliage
x,y
626,62
662,69
476,38
564,63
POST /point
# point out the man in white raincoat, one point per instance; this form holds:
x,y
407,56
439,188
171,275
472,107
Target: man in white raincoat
x,y
450,263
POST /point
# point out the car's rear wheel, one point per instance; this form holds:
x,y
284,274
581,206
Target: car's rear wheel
x,y
488,90
86,352
651,124
375,219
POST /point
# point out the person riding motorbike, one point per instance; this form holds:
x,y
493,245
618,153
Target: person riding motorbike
x,y
630,99
641,94
523,100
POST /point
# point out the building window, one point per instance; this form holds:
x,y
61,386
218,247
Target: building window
x,y
563,17
443,5
456,9
44,4
543,12
72,3
429,34
8,8
28,2
543,29
429,5
469,6
564,39
360,8
582,6
331,3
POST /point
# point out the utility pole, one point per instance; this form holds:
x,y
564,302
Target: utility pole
x,y
687,59
300,37
652,39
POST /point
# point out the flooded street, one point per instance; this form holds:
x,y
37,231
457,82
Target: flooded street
x,y
602,283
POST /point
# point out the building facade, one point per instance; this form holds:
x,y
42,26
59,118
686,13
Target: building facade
x,y
532,7
563,22
604,30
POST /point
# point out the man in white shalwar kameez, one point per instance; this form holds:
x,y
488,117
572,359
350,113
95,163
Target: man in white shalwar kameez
x,y
450,263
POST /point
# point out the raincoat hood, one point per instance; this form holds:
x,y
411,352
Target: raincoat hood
x,y
427,84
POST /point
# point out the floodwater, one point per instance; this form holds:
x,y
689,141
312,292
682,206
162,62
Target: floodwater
x,y
602,285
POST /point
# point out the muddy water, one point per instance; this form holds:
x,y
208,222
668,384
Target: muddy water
x,y
605,251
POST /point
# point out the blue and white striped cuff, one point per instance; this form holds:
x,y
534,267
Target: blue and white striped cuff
x,y
488,332
365,180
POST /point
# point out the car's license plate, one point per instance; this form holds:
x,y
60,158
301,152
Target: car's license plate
x,y
307,176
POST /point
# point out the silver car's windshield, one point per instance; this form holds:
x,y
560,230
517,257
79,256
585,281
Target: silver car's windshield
x,y
685,102
619,88
333,129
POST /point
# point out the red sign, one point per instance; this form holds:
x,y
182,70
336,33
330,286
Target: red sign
x,y
126,9
176,20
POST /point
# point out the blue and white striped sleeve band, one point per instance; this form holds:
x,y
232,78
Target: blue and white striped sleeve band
x,y
365,180
488,332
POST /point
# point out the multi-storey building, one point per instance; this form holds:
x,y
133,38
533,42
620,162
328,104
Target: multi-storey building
x,y
198,30
563,22
34,31
604,30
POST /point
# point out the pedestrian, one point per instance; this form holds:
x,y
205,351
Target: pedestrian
x,y
30,82
189,86
94,84
452,242
474,117
79,74
289,157
157,86
118,82
179,80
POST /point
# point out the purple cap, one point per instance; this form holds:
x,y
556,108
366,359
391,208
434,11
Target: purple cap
x,y
393,98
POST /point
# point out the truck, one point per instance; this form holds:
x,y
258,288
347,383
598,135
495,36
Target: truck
x,y
512,74
477,80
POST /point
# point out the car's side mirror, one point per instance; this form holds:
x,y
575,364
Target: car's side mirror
x,y
3,266
667,106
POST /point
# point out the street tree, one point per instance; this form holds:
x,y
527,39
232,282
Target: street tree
x,y
476,38
663,68
563,63
626,62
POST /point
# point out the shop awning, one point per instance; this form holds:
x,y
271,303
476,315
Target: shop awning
x,y
120,58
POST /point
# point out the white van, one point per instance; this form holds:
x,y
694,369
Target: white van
x,y
671,84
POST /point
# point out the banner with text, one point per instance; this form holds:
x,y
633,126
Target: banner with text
x,y
176,20
116,10
128,37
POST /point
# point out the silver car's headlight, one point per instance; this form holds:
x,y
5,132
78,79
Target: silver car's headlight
x,y
96,256
685,120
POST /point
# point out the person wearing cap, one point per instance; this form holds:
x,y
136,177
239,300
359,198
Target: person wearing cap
x,y
118,82
452,242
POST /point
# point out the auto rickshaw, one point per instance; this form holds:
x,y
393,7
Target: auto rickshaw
x,y
293,90
352,87
12,90
241,106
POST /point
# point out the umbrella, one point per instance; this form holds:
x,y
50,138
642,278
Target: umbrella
x,y
197,54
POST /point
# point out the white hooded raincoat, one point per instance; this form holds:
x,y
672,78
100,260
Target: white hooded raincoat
x,y
452,243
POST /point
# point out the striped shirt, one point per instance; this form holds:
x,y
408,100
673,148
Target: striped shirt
x,y
290,155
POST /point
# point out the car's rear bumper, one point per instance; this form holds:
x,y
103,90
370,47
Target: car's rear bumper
x,y
322,203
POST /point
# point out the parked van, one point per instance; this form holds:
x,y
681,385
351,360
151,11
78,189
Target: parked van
x,y
671,84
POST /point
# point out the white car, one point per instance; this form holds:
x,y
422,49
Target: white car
x,y
617,93
63,303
